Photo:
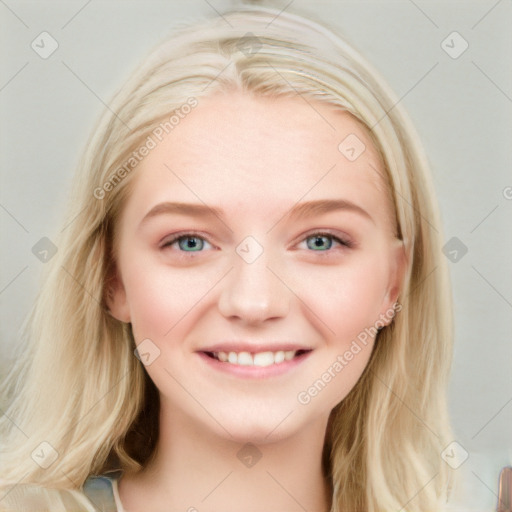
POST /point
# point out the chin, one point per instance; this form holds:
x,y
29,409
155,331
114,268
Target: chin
x,y
260,434
269,427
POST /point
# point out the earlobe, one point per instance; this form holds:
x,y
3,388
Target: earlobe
x,y
116,299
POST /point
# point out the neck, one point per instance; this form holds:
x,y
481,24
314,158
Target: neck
x,y
194,467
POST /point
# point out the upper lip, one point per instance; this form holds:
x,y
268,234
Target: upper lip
x,y
240,346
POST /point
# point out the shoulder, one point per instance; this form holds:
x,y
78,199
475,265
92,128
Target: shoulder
x,y
37,498
95,495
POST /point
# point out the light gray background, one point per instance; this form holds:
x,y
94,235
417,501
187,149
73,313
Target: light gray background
x,y
462,109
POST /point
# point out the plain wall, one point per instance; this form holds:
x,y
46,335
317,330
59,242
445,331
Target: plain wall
x,y
462,109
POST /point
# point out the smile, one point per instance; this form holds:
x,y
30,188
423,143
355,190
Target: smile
x,y
257,365
260,359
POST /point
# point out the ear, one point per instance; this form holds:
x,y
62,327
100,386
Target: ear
x,y
399,264
116,299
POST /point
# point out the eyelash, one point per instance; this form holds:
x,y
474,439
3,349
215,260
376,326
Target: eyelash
x,y
348,244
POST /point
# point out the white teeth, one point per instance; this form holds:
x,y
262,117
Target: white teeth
x,y
279,356
259,359
264,359
289,354
244,358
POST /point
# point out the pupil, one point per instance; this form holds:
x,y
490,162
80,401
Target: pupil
x,y
320,242
190,242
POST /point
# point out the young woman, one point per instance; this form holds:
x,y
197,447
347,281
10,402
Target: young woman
x,y
248,310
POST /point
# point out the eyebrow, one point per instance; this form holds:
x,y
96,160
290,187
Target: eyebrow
x,y
299,211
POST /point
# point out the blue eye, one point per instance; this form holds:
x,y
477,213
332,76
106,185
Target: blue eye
x,y
187,243
323,242
318,242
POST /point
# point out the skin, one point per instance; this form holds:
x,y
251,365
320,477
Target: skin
x,y
255,158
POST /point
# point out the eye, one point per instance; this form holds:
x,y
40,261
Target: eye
x,y
188,242
192,242
322,242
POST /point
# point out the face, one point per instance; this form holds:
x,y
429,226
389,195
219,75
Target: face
x,y
252,254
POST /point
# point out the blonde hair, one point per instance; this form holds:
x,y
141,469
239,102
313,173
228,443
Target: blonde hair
x,y
78,385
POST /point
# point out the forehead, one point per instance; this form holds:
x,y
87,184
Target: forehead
x,y
240,150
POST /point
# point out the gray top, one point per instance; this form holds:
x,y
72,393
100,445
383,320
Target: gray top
x,y
99,490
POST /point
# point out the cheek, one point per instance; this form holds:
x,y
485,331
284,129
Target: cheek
x,y
347,302
346,299
160,298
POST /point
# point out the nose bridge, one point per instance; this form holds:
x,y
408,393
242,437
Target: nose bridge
x,y
252,292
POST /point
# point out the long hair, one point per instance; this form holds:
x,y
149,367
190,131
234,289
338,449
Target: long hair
x,y
77,385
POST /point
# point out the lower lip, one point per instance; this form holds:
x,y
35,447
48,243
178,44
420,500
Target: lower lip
x,y
254,372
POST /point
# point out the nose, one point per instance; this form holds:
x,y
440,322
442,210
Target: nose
x,y
253,293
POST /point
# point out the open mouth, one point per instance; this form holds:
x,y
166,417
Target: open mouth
x,y
257,359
